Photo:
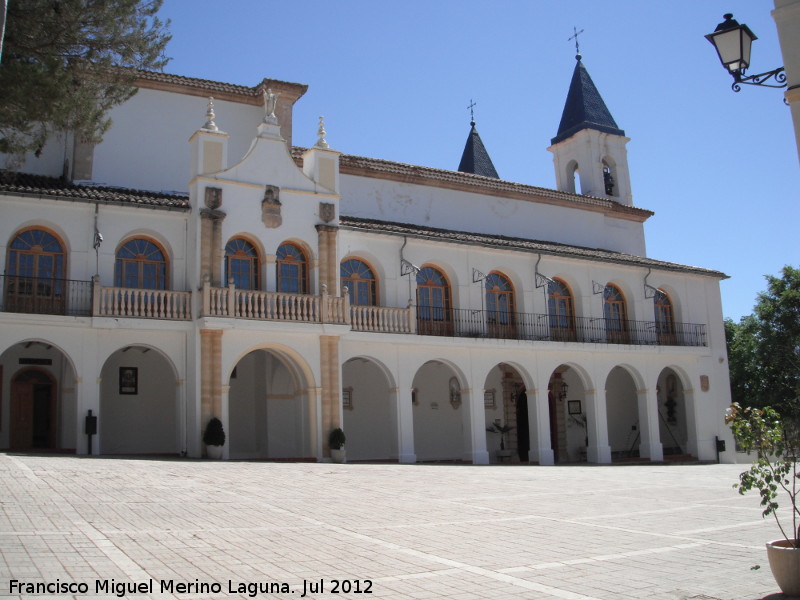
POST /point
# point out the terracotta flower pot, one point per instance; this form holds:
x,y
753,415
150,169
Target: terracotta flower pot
x,y
784,560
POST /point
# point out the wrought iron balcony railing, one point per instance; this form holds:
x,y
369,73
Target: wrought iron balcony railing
x,y
539,327
45,296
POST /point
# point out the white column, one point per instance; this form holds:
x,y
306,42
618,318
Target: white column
x,y
393,395
597,427
539,425
405,425
692,433
224,398
787,21
475,424
315,441
650,443
88,381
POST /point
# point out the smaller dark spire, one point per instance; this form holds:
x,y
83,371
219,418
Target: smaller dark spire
x,y
475,158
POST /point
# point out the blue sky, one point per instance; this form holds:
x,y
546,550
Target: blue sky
x,y
394,79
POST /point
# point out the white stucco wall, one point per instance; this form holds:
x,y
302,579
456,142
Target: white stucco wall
x,y
464,211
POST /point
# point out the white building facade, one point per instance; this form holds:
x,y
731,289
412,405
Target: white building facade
x,y
433,315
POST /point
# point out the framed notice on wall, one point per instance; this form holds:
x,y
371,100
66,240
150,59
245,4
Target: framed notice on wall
x,y
129,380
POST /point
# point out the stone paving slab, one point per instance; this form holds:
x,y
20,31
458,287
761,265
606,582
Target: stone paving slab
x,y
111,527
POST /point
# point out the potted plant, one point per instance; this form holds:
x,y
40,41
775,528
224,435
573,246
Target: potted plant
x,y
336,442
502,430
214,438
774,473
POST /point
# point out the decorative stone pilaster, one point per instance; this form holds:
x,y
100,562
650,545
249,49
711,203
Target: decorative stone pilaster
x,y
210,375
328,263
330,371
211,250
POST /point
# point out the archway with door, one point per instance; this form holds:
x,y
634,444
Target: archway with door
x,y
40,383
624,428
568,413
269,408
439,413
139,406
34,410
508,435
672,414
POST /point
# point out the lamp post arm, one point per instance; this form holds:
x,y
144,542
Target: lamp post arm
x,y
760,79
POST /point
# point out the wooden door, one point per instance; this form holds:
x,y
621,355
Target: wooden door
x,y
21,415
33,411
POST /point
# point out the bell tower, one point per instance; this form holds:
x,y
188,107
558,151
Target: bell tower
x,y
589,151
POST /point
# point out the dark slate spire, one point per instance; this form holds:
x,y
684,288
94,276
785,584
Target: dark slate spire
x,y
584,108
475,158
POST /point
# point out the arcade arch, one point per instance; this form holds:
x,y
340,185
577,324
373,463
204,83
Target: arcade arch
x,y
440,416
369,411
269,408
39,381
139,403
673,413
623,416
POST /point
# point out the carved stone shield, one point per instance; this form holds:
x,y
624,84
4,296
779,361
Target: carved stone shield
x,y
327,211
213,197
271,207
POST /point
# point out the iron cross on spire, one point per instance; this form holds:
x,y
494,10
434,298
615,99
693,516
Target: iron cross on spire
x,y
471,106
575,37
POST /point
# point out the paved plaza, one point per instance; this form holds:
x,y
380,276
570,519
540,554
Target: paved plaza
x,y
112,527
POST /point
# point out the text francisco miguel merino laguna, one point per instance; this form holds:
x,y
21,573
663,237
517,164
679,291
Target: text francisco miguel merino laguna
x,y
168,586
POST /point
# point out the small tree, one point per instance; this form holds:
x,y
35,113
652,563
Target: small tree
x,y
776,443
336,439
214,434
502,430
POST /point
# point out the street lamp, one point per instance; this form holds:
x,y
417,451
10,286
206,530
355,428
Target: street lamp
x,y
732,42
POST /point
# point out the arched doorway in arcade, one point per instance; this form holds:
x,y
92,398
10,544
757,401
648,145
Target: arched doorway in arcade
x,y
269,412
139,404
42,401
508,436
672,414
440,416
569,421
34,415
368,411
622,409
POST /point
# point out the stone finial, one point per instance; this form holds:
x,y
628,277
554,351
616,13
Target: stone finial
x,y
321,143
210,125
270,102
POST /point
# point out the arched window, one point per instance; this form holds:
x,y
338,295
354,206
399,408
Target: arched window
x,y
241,264
360,281
560,311
434,312
665,319
615,314
141,264
292,269
500,316
35,273
573,178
